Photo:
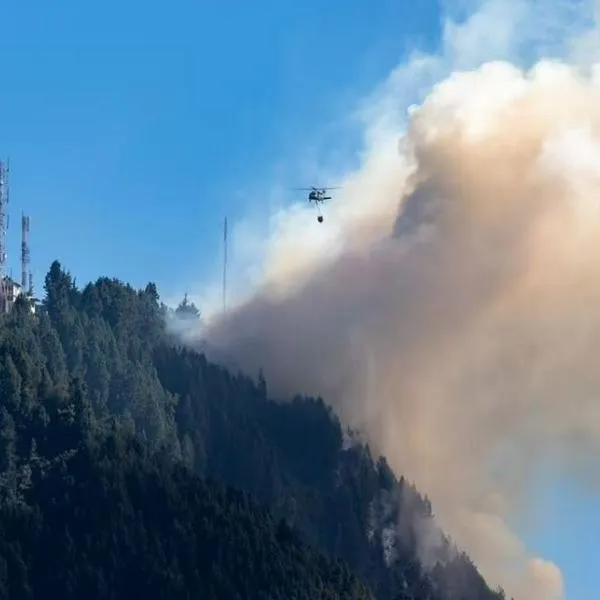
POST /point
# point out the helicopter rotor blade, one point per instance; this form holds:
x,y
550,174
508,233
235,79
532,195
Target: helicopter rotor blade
x,y
318,187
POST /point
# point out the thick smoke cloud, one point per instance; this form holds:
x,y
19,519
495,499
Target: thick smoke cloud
x,y
449,305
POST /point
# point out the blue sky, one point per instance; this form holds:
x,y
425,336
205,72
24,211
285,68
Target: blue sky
x,y
131,126
568,533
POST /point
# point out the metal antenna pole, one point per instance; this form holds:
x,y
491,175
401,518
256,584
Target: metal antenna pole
x,y
225,265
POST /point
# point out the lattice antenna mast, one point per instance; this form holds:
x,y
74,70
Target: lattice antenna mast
x,y
225,265
25,253
4,198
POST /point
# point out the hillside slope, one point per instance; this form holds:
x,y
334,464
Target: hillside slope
x,y
105,521
294,458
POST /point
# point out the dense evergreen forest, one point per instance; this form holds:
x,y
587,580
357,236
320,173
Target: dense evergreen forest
x,y
133,467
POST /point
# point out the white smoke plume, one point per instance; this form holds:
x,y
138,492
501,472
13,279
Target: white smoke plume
x,y
450,302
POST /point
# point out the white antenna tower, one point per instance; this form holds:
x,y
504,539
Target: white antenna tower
x,y
4,198
25,252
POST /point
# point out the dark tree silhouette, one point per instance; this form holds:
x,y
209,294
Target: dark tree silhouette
x,y
133,467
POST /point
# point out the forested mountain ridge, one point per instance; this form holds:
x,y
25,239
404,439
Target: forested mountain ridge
x,y
95,375
105,521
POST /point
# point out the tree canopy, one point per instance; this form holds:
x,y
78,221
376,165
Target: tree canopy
x,y
130,464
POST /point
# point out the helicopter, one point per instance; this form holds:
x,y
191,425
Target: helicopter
x,y
318,196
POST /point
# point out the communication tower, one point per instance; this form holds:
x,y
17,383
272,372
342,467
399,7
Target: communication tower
x,y
25,254
4,198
